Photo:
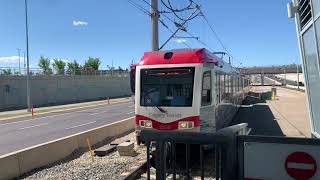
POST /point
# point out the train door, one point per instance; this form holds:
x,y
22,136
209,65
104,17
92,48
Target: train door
x,y
207,119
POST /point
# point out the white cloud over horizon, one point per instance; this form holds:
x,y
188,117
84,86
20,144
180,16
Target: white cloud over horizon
x,y
80,23
10,59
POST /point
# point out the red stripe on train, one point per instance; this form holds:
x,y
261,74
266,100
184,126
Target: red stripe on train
x,y
168,126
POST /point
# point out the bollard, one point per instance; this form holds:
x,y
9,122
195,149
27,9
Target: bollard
x,y
108,100
32,111
90,150
273,96
274,92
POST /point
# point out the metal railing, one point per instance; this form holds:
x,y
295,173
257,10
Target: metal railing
x,y
12,71
223,141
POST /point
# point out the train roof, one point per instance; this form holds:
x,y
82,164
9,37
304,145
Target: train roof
x,y
178,56
184,56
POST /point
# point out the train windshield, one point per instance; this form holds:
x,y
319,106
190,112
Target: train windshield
x,y
169,87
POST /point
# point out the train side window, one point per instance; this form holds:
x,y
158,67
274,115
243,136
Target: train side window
x,y
221,85
238,85
218,92
206,89
232,85
225,86
228,86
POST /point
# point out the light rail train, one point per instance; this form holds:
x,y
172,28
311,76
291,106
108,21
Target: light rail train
x,y
185,90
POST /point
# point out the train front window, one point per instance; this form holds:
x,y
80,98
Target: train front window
x,y
169,87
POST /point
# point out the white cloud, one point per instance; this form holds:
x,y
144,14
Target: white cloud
x,y
180,40
79,23
10,59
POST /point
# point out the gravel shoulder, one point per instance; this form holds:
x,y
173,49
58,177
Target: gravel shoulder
x,y
108,167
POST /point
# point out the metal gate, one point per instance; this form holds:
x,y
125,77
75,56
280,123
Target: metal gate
x,y
236,155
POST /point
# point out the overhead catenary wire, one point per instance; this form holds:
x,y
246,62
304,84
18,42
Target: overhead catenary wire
x,y
216,35
139,7
191,5
178,28
142,9
164,25
168,18
174,11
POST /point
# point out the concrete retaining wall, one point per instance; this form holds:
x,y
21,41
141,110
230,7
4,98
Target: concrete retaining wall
x,y
53,90
20,162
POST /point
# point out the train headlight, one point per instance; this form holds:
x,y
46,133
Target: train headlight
x,y
186,125
146,123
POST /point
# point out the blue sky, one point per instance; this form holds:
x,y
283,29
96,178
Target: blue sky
x,y
255,32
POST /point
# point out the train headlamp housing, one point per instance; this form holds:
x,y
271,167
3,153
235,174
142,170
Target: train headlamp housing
x,y
145,123
186,125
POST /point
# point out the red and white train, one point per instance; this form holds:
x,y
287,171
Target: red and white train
x,y
185,90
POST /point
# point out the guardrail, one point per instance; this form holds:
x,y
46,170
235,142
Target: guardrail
x,y
224,142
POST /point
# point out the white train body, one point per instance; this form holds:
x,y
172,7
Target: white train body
x,y
186,90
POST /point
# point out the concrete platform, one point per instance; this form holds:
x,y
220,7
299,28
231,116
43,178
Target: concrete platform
x,y
285,116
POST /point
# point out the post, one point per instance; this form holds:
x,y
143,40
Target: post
x,y
32,111
90,149
285,77
161,160
298,83
112,68
24,60
27,44
19,50
154,25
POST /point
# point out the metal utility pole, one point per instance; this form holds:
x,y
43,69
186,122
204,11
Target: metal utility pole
x,y
27,45
112,67
154,25
24,60
19,50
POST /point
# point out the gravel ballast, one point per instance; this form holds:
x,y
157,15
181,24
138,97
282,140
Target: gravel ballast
x,y
108,167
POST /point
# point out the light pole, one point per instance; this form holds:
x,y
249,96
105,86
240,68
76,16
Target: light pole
x,y
24,60
27,45
19,50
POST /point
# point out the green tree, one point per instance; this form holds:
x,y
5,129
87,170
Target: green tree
x,y
59,65
7,72
92,63
44,64
120,68
73,66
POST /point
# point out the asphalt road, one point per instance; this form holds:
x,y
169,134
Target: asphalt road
x,y
25,132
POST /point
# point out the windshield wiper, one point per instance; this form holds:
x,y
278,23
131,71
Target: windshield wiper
x,y
161,109
146,94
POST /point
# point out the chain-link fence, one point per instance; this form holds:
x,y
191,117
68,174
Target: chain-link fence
x,y
12,71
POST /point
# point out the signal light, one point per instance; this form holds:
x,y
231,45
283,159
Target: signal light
x,y
186,125
146,123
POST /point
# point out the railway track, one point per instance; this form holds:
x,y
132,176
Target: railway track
x,y
137,172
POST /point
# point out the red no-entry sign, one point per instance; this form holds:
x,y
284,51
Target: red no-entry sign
x,y
301,165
